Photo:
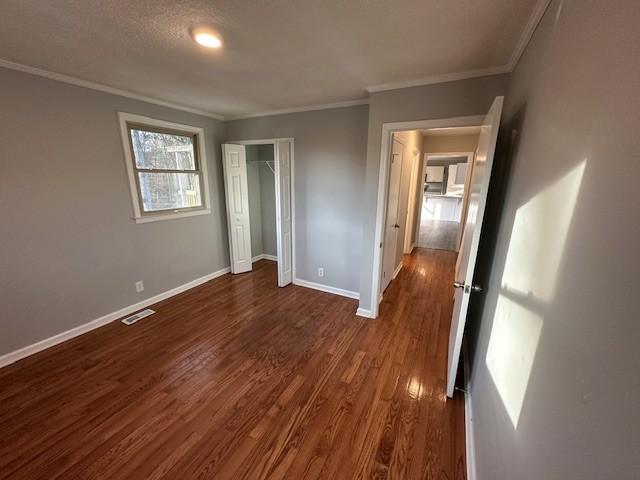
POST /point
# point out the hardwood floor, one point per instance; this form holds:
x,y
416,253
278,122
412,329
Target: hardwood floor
x,y
239,379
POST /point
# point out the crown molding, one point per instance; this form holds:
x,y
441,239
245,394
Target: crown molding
x,y
534,19
306,108
529,29
103,88
443,78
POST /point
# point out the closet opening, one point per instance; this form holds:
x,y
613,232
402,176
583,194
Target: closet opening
x,y
261,185
258,176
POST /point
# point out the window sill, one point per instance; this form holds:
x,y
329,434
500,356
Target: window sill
x,y
171,216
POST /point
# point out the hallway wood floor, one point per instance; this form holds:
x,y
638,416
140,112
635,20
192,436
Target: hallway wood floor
x,y
238,379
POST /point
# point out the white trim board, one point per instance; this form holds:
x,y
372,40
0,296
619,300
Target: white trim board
x,y
530,28
264,256
24,352
326,288
388,129
363,312
306,108
521,45
442,78
468,420
60,77
397,271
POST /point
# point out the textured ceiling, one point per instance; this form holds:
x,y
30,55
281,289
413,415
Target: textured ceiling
x,y
276,55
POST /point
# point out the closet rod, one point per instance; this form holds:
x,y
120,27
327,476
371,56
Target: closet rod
x,y
264,161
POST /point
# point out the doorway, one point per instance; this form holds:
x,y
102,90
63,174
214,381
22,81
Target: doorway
x,y
444,200
392,227
426,194
258,177
477,189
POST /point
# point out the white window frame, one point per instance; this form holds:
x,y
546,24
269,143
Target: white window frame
x,y
141,121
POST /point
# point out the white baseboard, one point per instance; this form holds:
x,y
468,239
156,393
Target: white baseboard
x,y
468,421
363,312
23,352
264,256
326,288
398,268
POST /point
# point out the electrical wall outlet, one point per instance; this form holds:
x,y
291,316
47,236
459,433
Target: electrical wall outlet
x,y
321,272
140,286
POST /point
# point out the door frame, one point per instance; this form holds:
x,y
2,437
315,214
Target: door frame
x,y
414,185
273,141
465,194
396,268
383,185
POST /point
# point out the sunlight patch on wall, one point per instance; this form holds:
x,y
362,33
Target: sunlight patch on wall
x,y
512,349
528,284
538,237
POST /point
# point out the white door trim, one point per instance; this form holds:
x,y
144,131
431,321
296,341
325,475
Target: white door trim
x,y
381,206
274,141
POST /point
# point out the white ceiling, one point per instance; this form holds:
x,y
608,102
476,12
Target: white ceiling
x,y
280,54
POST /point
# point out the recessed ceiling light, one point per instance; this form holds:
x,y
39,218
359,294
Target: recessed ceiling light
x,y
207,38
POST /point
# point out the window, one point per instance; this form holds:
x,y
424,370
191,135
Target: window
x,y
167,168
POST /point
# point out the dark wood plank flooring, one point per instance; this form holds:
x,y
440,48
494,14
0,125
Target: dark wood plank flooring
x,y
240,379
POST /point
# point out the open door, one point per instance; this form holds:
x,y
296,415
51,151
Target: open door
x,y
478,189
237,196
283,211
391,223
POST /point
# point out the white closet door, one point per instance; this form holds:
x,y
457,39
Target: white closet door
x,y
237,195
283,212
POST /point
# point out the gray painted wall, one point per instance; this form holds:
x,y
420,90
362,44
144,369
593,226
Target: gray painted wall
x,y
452,99
267,201
330,148
557,344
70,249
255,210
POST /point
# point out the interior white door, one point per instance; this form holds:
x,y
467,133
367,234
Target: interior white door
x,y
391,224
478,188
237,196
283,212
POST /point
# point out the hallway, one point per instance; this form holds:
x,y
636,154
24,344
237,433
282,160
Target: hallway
x,y
239,379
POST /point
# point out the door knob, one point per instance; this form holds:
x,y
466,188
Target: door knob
x,y
396,226
467,288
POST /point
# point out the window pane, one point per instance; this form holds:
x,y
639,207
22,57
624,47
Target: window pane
x,y
162,150
169,191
